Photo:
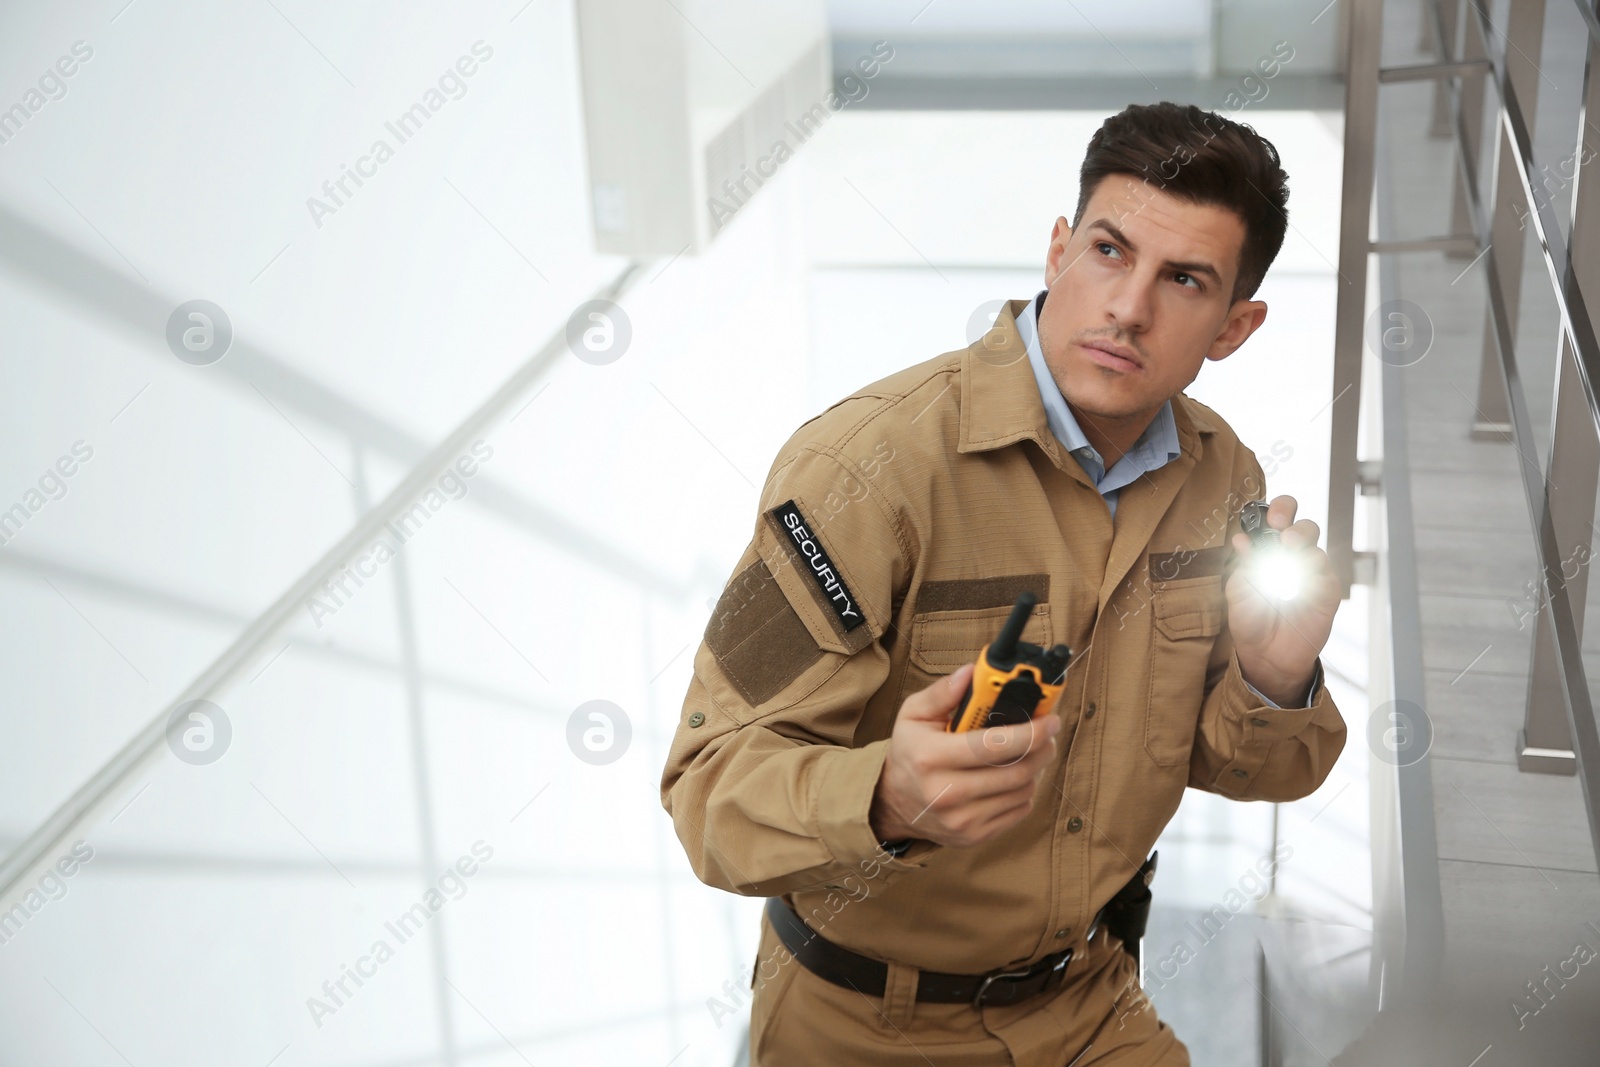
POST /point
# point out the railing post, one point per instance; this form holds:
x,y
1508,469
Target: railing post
x,y
1469,101
1508,212
1445,21
1364,44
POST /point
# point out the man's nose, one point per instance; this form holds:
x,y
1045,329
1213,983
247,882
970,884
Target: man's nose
x,y
1129,306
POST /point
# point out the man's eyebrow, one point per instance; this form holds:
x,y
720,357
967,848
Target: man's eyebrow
x,y
1186,267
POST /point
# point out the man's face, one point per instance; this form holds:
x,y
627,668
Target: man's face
x,y
1140,296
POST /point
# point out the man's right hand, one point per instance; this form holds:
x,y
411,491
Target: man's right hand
x,y
957,789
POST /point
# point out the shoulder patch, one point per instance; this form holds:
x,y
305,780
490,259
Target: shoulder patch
x,y
806,551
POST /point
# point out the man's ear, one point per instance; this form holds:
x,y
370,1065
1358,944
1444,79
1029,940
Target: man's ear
x,y
1055,257
1244,318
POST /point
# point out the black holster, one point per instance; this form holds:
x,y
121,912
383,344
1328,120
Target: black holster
x,y
1128,913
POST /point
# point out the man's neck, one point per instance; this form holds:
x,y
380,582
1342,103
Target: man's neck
x,y
1112,437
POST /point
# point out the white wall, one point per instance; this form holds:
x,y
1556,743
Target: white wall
x,y
373,750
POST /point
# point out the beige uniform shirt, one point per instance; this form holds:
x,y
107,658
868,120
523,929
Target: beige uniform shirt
x,y
895,531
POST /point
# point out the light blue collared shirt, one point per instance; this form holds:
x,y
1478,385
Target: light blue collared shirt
x,y
1155,448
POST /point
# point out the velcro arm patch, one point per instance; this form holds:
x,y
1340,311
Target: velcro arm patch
x,y
1189,563
790,605
758,639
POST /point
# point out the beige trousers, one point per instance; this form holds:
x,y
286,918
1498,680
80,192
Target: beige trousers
x,y
1099,1017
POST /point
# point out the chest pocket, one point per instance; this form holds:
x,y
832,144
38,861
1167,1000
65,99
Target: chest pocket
x,y
1187,615
954,618
941,641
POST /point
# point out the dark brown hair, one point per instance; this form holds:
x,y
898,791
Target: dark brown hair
x,y
1204,158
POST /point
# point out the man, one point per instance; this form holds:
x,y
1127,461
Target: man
x,y
938,892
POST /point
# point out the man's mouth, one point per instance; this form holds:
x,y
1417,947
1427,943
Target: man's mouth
x,y
1112,355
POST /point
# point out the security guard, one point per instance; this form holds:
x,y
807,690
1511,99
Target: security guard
x,y
934,896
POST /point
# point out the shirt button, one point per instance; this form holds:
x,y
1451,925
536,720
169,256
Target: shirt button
x,y
696,719
1088,713
1259,722
1074,824
1063,933
1241,774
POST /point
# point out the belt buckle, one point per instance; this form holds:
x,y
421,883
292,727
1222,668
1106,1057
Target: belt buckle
x,y
1053,978
991,979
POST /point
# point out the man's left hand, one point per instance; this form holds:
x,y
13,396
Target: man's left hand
x,y
1278,640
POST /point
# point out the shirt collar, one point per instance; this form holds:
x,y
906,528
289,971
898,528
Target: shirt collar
x,y
1002,402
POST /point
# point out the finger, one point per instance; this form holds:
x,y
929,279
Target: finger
x,y
1280,513
1322,582
1002,819
1325,592
1020,753
978,811
1020,778
935,702
1302,534
1002,746
955,810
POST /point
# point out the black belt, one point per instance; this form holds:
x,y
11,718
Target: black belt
x,y
852,970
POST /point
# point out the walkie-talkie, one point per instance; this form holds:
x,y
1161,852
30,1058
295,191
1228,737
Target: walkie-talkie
x,y
1013,681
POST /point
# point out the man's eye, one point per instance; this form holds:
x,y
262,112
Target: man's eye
x,y
1186,279
1107,250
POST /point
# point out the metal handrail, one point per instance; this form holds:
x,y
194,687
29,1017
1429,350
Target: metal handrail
x,y
1420,894
1575,321
1427,71
1578,330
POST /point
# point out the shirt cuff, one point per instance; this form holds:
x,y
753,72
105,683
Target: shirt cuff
x,y
844,803
1316,680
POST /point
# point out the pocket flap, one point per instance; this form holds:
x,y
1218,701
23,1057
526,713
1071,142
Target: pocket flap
x,y
942,641
1190,610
